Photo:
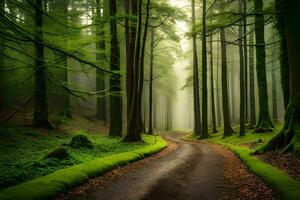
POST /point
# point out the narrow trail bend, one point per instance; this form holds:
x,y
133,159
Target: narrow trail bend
x,y
192,171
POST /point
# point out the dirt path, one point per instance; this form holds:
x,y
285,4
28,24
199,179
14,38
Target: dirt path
x,y
191,171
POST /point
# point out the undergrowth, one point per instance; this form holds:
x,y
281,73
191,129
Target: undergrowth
x,y
23,152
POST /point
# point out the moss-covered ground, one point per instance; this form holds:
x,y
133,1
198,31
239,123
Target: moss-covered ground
x,y
23,152
285,185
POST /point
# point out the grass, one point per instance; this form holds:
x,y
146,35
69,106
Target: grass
x,y
23,152
50,186
250,137
286,186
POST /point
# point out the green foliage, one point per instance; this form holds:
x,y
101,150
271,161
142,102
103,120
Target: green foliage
x,y
48,187
23,152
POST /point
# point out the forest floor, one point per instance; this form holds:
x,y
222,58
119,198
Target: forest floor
x,y
24,148
289,163
185,170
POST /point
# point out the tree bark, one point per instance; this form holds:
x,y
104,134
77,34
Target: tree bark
x,y
264,120
284,63
218,87
252,81
150,129
233,95
169,114
115,128
132,133
213,106
40,115
197,115
101,57
204,132
274,88
242,76
245,39
2,92
141,65
130,35
66,96
227,126
289,137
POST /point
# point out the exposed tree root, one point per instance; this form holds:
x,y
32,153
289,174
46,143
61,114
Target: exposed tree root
x,y
288,138
264,124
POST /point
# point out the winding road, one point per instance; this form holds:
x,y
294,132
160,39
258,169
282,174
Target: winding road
x,y
192,171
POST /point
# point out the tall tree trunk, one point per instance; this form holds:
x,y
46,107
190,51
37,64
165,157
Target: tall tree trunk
x,y
130,35
204,132
245,57
197,115
233,95
101,57
40,115
115,128
242,76
66,96
227,127
274,88
289,136
141,64
252,81
154,102
284,63
150,130
169,114
132,133
218,87
2,9
213,106
264,120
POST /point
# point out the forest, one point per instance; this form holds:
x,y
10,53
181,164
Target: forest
x,y
149,99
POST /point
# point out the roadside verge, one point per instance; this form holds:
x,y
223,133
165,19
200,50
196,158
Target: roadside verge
x,y
287,187
50,186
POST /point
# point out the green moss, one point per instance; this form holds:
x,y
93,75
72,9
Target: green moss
x,y
48,187
286,186
23,152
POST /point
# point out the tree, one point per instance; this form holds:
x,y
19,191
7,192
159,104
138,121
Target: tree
x,y
284,64
197,115
218,86
168,114
2,8
204,133
245,39
227,127
264,120
60,8
150,129
252,81
274,88
115,128
242,76
134,125
213,106
142,70
289,136
40,115
100,57
130,36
